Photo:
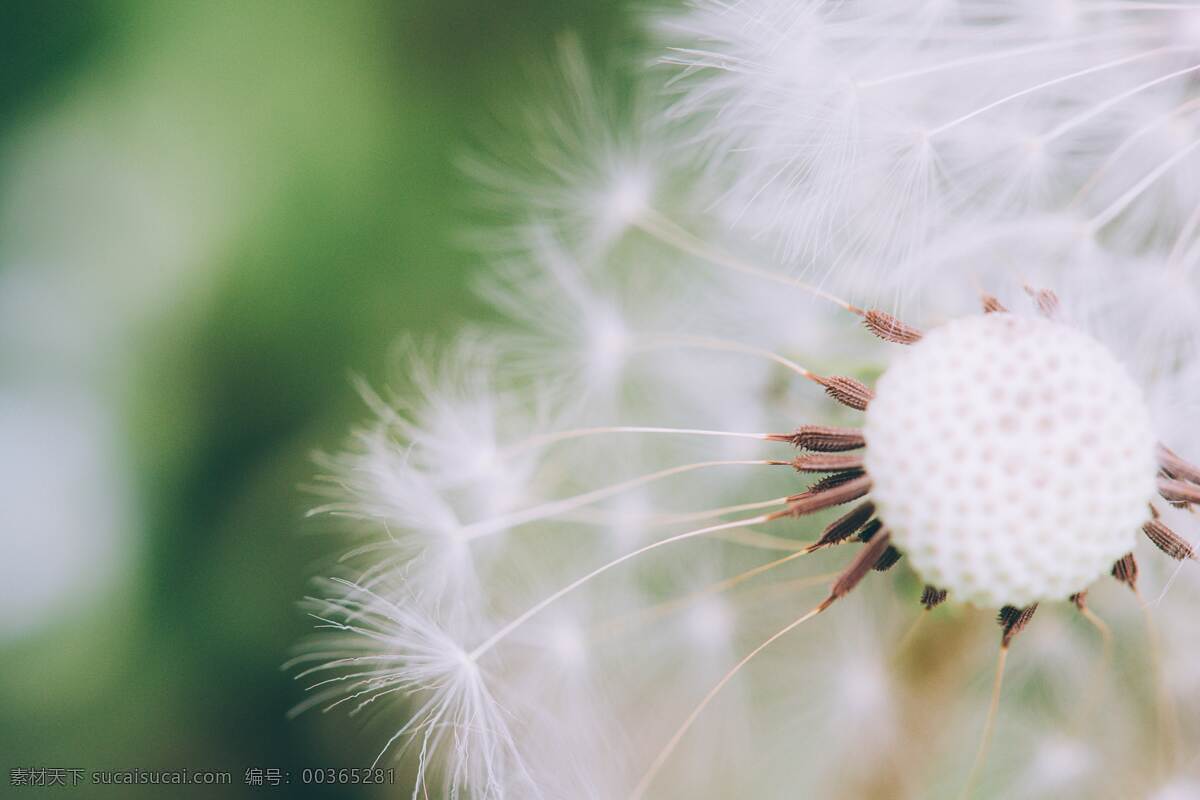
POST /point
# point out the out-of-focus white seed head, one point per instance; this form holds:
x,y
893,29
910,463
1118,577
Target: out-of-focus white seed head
x,y
1181,789
625,197
1186,27
864,689
568,644
1012,458
710,622
1059,761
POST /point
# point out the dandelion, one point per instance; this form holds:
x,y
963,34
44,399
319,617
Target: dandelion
x,y
682,528
1037,467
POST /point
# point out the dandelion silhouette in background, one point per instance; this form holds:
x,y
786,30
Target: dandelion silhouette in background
x,y
577,571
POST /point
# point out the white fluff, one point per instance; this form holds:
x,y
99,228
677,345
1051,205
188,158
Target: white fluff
x,y
859,135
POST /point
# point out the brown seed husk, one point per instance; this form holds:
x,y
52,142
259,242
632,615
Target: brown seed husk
x,y
932,597
812,501
870,529
1178,492
845,526
1047,301
1168,540
1013,620
848,391
828,462
888,560
1176,467
827,439
858,569
890,329
1126,571
992,305
834,479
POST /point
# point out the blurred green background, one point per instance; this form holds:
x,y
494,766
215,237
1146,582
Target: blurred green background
x,y
210,214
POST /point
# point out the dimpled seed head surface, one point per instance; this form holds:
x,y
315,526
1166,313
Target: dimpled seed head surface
x,y
1011,458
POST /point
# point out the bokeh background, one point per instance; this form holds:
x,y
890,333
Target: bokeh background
x,y
211,215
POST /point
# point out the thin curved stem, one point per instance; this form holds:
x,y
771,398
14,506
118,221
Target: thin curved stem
x,y
758,540
1091,694
662,228
912,631
614,626
553,437
1121,203
556,507
1046,85
503,632
659,520
661,759
1168,723
721,345
967,61
989,726
696,516
1129,142
1104,105
1176,260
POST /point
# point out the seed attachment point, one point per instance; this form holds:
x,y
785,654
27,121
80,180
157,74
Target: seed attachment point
x,y
890,329
845,526
859,568
1047,301
932,597
828,462
847,391
1013,620
1175,467
1168,540
827,439
992,305
1126,571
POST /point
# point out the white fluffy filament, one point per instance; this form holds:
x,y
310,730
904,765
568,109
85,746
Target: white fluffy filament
x,y
557,507
666,231
661,759
500,634
555,437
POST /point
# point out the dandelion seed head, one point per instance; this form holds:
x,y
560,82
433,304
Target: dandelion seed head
x,y
1012,458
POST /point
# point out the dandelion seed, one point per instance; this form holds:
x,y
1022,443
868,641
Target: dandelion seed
x,y
380,650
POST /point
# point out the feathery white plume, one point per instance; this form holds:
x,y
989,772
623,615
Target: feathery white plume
x,y
382,649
